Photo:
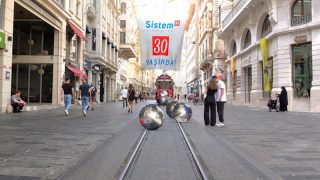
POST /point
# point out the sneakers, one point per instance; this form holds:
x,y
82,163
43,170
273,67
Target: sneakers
x,y
84,113
219,124
67,113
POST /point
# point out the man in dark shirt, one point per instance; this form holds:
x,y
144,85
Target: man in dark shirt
x,y
68,94
16,102
84,93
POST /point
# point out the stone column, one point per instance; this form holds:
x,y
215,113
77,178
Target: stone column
x,y
6,59
315,89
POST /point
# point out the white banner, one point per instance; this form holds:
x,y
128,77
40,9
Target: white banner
x,y
161,36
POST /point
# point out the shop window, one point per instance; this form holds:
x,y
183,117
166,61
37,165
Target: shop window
x,y
269,71
34,81
123,7
32,38
266,27
247,40
302,70
301,12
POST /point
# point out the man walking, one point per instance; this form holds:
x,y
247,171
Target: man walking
x,y
93,92
124,93
84,96
221,98
68,94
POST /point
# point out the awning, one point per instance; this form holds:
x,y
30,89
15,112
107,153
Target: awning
x,y
77,72
77,31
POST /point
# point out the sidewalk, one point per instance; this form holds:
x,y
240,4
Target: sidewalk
x,y
45,143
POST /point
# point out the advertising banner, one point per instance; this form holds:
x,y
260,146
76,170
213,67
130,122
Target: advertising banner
x,y
161,36
232,67
264,55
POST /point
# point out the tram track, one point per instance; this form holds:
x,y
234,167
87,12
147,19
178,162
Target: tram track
x,y
199,168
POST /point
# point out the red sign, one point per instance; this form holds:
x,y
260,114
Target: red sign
x,y
177,23
160,45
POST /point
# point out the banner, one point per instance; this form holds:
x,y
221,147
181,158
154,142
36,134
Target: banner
x,y
161,36
232,67
264,55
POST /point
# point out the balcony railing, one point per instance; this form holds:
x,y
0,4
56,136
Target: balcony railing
x,y
296,21
233,12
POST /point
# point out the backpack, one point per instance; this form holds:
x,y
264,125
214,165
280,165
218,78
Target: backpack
x,y
93,90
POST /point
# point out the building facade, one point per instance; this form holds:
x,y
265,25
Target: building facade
x,y
102,48
270,44
44,44
211,48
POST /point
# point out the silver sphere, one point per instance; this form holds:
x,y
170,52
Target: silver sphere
x,y
182,112
162,100
169,109
151,117
168,100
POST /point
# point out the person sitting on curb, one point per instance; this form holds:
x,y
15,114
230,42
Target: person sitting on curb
x,y
16,102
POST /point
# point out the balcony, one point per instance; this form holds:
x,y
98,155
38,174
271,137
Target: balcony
x,y
296,21
235,11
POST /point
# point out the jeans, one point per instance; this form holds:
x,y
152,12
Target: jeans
x,y
210,111
124,102
85,103
67,101
220,108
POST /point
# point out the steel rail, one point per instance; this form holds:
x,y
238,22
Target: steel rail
x,y
132,156
196,159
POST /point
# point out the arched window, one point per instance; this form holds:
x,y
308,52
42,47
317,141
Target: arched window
x,y
123,7
266,27
234,48
247,40
301,12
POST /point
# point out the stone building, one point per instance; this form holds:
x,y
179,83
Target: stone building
x,y
270,44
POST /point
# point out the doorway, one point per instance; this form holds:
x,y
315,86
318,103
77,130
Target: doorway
x,y
248,84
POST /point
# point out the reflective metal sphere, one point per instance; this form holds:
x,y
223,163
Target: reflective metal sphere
x,y
182,112
169,109
162,100
151,117
168,100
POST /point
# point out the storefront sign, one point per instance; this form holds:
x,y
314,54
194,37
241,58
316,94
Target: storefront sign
x,y
161,36
264,54
123,78
246,61
2,40
300,39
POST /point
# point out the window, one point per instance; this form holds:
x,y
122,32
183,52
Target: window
x,y
1,13
247,40
78,9
234,48
103,47
301,12
122,23
61,2
94,39
266,27
122,38
302,69
123,7
269,71
234,85
70,5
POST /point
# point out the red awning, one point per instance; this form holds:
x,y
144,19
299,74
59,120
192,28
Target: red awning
x,y
77,31
77,72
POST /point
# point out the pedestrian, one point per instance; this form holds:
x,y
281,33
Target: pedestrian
x,y
185,97
93,91
221,98
124,93
131,98
16,102
283,98
140,96
67,93
210,103
83,95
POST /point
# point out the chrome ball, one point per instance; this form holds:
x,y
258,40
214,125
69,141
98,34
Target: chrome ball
x,y
182,112
169,109
168,100
151,117
162,100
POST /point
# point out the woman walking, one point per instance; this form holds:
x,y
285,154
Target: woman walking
x,y
131,98
283,98
210,103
